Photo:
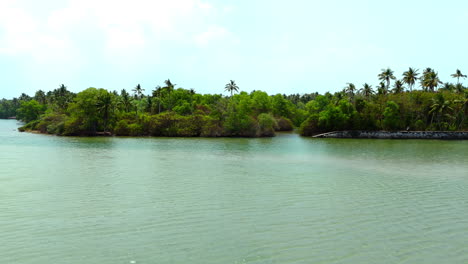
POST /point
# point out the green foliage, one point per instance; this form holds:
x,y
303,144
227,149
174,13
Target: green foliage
x,y
8,108
121,128
212,127
261,102
280,106
284,124
30,110
420,125
266,125
135,130
336,117
332,119
391,115
298,116
90,111
183,108
318,104
170,111
239,124
310,126
50,123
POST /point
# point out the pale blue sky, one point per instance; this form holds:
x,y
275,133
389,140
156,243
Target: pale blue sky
x,y
294,46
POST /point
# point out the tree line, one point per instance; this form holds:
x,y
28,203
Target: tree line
x,y
168,110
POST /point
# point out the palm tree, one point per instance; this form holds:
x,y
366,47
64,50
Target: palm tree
x,y
149,104
431,80
386,75
350,88
338,96
382,89
169,85
50,97
40,96
427,70
424,76
15,102
169,100
231,87
461,105
458,74
398,87
62,90
439,107
448,87
459,88
366,90
409,77
24,97
125,100
104,105
138,91
61,96
157,93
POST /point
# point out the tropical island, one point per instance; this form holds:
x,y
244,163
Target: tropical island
x,y
416,102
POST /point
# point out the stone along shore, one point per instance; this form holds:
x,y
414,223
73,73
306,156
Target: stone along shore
x,y
396,134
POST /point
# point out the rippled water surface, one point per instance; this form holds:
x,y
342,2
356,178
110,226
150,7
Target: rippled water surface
x,y
189,200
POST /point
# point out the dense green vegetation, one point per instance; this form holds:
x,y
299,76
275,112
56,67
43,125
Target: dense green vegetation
x,y
170,111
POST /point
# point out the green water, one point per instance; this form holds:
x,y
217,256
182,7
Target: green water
x,y
192,200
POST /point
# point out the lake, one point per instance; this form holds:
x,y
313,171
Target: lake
x,y
287,199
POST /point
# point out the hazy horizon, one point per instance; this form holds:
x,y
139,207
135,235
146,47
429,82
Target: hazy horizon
x,y
295,47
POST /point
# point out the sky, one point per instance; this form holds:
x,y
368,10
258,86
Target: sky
x,y
295,46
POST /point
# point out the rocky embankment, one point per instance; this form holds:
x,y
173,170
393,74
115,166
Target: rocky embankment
x,y
396,134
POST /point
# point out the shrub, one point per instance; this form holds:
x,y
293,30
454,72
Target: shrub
x,y
212,127
73,127
266,125
51,123
162,124
391,115
30,110
183,109
310,126
189,126
284,124
420,125
332,119
56,128
240,125
135,130
29,126
121,128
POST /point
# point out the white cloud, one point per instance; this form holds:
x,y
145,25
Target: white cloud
x,y
23,33
118,38
18,27
126,24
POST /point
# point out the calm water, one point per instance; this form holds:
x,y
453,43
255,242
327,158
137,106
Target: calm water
x,y
281,200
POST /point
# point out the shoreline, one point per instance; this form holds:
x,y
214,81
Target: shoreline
x,y
361,134
357,134
109,134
